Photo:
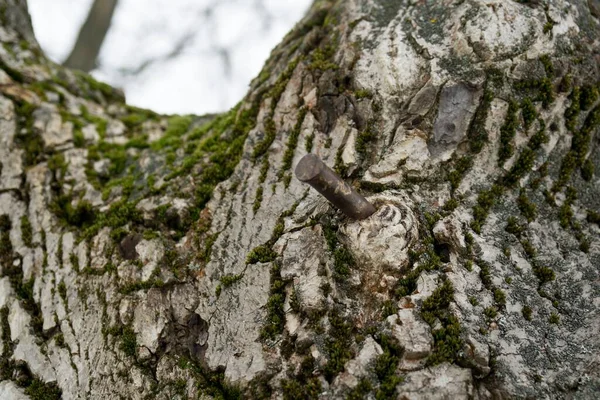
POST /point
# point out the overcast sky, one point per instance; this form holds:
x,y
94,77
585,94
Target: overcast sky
x,y
224,46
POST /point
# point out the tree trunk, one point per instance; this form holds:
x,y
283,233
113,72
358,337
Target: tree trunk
x,y
86,49
148,256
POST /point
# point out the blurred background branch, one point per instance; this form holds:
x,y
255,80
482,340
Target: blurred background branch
x,y
91,36
173,56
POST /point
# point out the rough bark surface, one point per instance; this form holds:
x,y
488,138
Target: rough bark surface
x,y
148,256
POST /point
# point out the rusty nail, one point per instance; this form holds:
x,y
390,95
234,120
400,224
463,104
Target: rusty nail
x,y
312,170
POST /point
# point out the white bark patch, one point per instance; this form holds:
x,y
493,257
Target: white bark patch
x,y
414,335
444,381
392,68
9,390
150,319
303,255
383,238
234,327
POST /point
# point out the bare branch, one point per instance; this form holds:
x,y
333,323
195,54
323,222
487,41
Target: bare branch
x,y
91,36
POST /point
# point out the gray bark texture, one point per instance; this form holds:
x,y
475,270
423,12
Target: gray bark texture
x,y
150,256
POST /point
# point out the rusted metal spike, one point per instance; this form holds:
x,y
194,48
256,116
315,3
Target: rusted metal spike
x,y
313,171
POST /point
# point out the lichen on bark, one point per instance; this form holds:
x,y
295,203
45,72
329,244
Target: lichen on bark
x,y
145,255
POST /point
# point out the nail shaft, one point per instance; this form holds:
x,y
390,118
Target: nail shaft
x,y
313,171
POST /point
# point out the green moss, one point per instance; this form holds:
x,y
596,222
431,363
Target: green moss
x,y
527,208
439,299
450,205
14,73
543,273
499,297
137,116
389,307
128,342
74,261
385,367
572,112
39,390
485,200
309,142
485,273
230,279
543,87
527,311
287,179
427,261
587,170
528,112
107,92
262,253
447,341
581,139
27,138
363,94
507,133
100,123
275,320
547,63
257,199
469,265
292,142
462,165
567,166
133,287
539,138
554,318
566,83
303,385
530,251
477,132
589,95
208,383
366,136
337,345
80,215
62,291
490,312
282,80
78,138
261,179
343,260
520,168
322,57
269,136
565,215
584,244
593,217
294,390
361,390
120,213
172,138
59,339
26,231
23,289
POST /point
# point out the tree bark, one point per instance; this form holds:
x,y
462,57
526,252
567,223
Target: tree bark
x,y
86,49
169,257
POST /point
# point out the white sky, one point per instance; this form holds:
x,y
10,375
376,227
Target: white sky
x,y
196,81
